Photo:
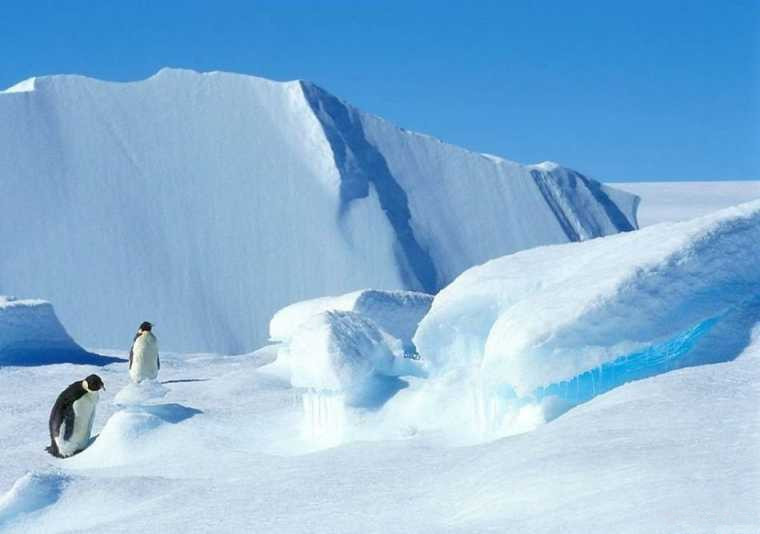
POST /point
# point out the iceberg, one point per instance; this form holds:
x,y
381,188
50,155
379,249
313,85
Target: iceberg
x,y
206,202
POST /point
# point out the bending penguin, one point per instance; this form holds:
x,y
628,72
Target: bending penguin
x,y
143,356
72,416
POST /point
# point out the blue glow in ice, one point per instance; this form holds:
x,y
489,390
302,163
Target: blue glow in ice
x,y
654,360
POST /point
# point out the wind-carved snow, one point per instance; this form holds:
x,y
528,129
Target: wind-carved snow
x,y
206,202
555,326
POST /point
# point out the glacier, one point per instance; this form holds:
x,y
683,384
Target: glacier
x,y
206,202
543,330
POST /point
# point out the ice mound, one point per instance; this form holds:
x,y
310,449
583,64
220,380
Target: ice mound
x,y
339,351
568,322
31,334
145,391
344,359
31,492
396,312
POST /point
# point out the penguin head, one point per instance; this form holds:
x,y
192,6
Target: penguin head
x,y
145,327
93,383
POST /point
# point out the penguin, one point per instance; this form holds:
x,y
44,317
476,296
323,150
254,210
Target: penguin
x,y
143,356
72,416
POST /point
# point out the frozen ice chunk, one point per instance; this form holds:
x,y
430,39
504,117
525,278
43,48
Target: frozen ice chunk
x,y
396,312
338,351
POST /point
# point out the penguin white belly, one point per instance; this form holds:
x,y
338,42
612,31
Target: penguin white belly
x,y
84,415
144,358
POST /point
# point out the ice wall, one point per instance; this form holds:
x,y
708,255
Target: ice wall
x,y
206,202
30,334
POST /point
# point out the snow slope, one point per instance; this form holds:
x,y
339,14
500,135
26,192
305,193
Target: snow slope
x,y
31,334
206,202
564,323
679,201
222,450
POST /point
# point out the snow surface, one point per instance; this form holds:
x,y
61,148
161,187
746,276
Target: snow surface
x,y
223,450
555,326
206,202
31,334
679,201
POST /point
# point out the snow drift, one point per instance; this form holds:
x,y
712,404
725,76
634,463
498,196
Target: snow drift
x,y
31,334
565,323
206,202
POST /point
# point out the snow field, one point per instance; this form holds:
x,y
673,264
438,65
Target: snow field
x,y
653,455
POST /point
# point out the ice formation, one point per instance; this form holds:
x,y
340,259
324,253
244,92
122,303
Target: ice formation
x,y
347,351
396,312
557,325
31,334
206,202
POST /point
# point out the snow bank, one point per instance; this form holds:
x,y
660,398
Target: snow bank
x,y
31,334
569,322
254,193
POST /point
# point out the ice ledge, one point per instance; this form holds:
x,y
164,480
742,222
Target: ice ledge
x,y
165,73
26,86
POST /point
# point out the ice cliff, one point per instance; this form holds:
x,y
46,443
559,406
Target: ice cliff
x,y
206,202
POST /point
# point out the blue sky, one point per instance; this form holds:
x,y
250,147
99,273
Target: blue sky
x,y
645,90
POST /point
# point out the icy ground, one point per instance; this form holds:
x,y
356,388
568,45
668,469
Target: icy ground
x,y
678,201
223,448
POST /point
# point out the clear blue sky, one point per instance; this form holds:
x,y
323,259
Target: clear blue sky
x,y
644,90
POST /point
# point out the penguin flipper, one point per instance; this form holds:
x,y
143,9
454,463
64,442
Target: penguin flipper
x,y
68,421
62,421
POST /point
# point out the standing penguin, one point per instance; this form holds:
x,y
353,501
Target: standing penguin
x,y
143,356
72,416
